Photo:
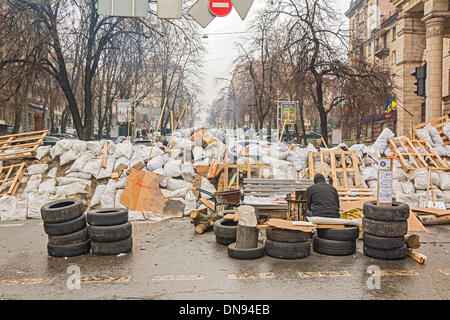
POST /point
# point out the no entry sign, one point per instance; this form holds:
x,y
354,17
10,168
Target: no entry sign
x,y
220,8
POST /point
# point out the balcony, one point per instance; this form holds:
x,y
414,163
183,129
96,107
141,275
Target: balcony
x,y
381,51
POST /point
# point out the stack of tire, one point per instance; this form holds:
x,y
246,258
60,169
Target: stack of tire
x,y
287,244
65,225
225,231
336,242
109,231
384,230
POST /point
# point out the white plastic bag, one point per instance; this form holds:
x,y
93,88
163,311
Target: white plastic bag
x,y
79,147
67,157
48,186
95,147
37,169
157,162
124,149
42,152
187,172
172,168
176,184
71,189
12,209
97,194
106,172
381,142
93,166
79,163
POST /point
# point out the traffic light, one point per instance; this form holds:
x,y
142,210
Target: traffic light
x,y
421,76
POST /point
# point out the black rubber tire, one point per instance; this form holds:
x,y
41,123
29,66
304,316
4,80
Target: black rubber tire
x,y
386,229
346,234
225,229
287,236
224,241
333,247
383,243
398,212
62,210
112,248
110,233
64,228
107,217
246,254
71,238
289,251
393,254
70,250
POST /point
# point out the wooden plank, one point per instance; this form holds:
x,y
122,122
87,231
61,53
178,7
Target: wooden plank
x,y
208,204
344,165
105,155
333,166
330,226
284,224
436,212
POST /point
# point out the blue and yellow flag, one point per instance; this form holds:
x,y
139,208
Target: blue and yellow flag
x,y
390,105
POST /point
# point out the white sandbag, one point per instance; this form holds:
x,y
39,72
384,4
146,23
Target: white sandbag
x,y
446,129
117,203
166,193
63,181
278,164
420,178
435,135
124,149
176,184
10,209
408,187
400,174
163,183
373,184
381,142
135,216
121,183
172,168
157,162
79,147
280,174
33,184
52,173
79,163
95,147
208,186
67,157
176,153
62,146
97,194
424,134
369,173
71,189
106,172
48,186
187,172
447,198
396,187
93,166
42,152
36,201
190,203
155,152
410,199
198,153
180,193
444,181
36,169
441,151
107,200
140,154
79,175
121,160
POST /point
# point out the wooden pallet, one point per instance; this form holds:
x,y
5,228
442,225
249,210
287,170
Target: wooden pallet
x,y
336,172
412,159
439,124
12,173
27,143
267,187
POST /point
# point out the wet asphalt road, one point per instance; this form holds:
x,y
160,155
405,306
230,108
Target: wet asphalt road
x,y
169,261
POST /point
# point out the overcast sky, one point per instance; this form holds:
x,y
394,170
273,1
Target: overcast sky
x,y
222,49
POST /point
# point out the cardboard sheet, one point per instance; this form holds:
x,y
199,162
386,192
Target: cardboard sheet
x,y
142,192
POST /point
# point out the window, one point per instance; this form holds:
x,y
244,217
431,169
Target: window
x,y
394,57
369,130
394,33
11,115
1,114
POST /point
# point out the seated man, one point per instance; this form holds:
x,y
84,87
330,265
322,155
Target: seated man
x,y
322,199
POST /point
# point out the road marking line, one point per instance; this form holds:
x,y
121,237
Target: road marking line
x,y
26,281
105,279
321,274
10,225
178,277
399,273
249,275
445,271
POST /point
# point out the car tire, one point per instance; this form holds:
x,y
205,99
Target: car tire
x,y
346,234
225,228
386,229
107,217
224,241
383,243
110,233
289,251
397,212
71,238
62,210
246,254
69,250
333,247
112,248
287,236
393,254
64,228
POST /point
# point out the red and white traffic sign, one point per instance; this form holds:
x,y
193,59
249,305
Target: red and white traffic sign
x,y
220,8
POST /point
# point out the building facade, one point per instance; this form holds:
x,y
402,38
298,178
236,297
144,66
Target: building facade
x,y
400,35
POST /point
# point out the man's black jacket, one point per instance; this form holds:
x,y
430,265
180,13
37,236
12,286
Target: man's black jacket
x,y
323,200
